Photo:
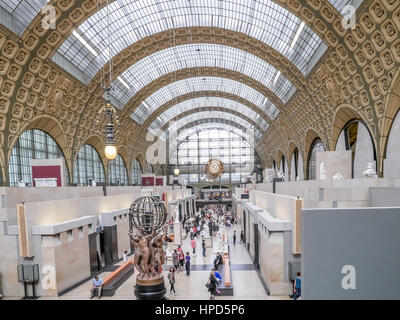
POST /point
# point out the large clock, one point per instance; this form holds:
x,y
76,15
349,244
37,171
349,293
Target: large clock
x,y
214,168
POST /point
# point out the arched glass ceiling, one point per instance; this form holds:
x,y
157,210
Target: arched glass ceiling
x,y
201,102
340,4
209,116
21,12
181,87
135,20
199,55
187,132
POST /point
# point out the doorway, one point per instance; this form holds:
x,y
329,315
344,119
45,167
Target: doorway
x,y
256,260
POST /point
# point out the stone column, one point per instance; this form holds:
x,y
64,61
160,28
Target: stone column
x,y
177,229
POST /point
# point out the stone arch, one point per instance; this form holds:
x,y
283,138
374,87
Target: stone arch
x,y
96,142
3,169
52,127
310,137
142,161
280,154
343,115
392,107
291,148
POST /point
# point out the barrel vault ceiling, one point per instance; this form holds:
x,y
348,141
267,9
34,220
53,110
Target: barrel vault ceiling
x,y
285,68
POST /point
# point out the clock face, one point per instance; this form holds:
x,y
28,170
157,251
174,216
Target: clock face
x,y
214,168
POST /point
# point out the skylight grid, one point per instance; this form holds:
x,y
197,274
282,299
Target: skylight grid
x,y
202,102
199,55
23,11
214,115
187,133
181,87
134,20
340,4
210,123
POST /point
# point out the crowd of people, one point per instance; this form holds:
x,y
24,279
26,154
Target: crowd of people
x,y
200,226
215,196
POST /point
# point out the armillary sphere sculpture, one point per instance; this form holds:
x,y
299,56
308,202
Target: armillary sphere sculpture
x,y
147,224
214,168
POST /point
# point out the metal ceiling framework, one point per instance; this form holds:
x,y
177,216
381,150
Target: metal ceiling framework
x,y
313,13
134,21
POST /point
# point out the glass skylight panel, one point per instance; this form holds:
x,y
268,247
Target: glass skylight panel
x,y
212,115
202,102
340,4
202,127
181,87
134,20
23,11
199,55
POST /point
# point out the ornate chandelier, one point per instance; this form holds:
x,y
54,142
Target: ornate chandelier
x,y
111,128
108,111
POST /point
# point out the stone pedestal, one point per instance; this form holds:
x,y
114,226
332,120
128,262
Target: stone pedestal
x,y
150,289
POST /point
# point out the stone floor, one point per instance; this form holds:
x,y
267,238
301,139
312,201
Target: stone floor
x,y
193,287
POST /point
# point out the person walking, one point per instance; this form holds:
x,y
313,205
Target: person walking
x,y
125,256
193,245
195,231
241,237
212,285
297,286
171,279
181,258
234,237
187,264
203,244
175,260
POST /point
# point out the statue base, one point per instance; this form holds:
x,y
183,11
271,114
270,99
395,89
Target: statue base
x,y
153,289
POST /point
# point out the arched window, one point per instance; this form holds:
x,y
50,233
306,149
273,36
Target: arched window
x,y
294,168
197,147
159,171
88,166
283,164
136,173
32,144
117,174
149,168
392,164
316,146
356,138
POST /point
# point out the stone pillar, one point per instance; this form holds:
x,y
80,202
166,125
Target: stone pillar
x,y
177,229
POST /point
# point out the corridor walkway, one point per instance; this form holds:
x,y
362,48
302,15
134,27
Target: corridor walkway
x,y
246,283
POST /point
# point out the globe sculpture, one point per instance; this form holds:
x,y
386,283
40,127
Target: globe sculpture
x,y
148,214
147,224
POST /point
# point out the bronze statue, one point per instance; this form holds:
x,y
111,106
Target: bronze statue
x,y
157,251
149,255
147,220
